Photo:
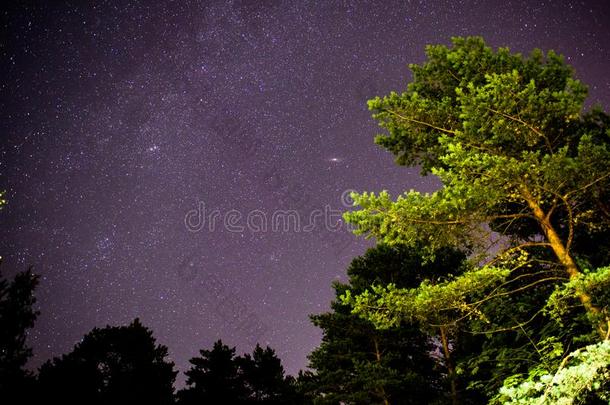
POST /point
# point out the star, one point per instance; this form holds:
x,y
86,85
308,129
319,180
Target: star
x,y
249,107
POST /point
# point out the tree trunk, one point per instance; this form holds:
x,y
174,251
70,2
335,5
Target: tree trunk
x,y
449,365
562,254
378,357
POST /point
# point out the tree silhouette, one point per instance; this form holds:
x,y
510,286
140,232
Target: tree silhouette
x,y
17,315
213,378
220,377
113,365
264,377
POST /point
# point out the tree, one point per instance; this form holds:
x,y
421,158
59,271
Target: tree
x,y
213,378
582,377
218,376
506,137
525,177
264,378
17,315
357,363
113,365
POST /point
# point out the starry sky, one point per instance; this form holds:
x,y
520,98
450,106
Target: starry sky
x,y
143,145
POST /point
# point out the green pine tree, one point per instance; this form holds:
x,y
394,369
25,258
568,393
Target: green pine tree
x,y
525,177
359,364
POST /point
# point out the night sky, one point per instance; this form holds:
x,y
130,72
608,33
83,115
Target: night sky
x,y
121,120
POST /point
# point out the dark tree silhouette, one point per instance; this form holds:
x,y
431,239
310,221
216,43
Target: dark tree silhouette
x,y
220,377
264,377
213,378
113,365
17,315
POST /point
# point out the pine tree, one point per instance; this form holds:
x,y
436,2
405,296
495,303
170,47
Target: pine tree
x,y
213,378
525,176
265,379
218,376
357,363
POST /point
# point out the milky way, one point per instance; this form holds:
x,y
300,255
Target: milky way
x,y
183,162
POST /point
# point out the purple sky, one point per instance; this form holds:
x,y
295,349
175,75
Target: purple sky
x,y
119,121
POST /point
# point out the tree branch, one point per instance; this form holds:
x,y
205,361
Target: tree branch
x,y
427,124
529,126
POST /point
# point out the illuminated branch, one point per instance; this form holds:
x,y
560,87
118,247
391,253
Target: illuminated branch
x,y
519,325
529,126
475,306
427,124
518,247
586,186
